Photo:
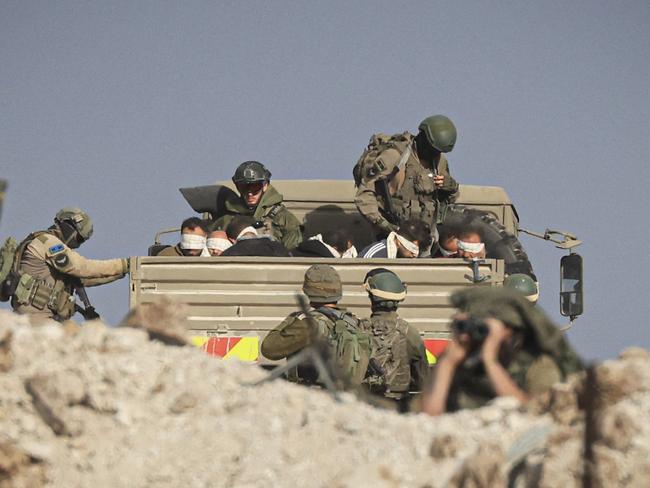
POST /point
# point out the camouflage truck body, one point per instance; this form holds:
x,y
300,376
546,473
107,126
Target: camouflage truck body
x,y
233,302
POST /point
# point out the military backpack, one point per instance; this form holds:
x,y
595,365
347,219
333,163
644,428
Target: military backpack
x,y
369,166
349,346
390,371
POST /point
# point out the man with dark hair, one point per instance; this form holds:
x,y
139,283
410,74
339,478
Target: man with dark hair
x,y
408,241
330,244
470,242
246,241
193,239
447,242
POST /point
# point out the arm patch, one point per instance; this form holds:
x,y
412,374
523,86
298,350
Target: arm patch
x,y
61,261
57,248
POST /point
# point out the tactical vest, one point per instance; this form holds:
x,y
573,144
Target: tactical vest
x,y
389,373
417,196
36,292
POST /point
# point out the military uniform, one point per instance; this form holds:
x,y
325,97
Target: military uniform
x,y
472,388
277,220
293,334
407,348
411,185
544,358
47,268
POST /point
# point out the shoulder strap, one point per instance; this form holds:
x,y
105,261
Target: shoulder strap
x,y
336,314
20,250
275,210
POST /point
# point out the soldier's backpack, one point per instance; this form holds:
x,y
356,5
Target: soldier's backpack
x,y
349,346
368,166
390,371
7,255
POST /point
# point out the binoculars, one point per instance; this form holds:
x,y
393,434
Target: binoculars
x,y
475,328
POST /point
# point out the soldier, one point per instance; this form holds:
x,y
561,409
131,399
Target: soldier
x,y
49,269
259,199
502,346
335,327
524,284
397,349
193,240
406,176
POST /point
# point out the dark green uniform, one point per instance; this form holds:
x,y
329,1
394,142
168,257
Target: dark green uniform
x,y
278,221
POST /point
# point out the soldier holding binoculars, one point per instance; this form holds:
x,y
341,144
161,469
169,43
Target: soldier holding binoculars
x,y
502,346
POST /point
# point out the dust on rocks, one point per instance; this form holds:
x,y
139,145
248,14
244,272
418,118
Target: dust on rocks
x,y
110,407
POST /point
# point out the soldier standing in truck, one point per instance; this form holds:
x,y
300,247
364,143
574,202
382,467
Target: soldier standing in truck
x,y
404,176
260,200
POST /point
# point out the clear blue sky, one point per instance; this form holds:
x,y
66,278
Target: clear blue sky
x,y
112,106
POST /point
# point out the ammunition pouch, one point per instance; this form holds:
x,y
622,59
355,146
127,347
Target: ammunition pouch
x,y
38,294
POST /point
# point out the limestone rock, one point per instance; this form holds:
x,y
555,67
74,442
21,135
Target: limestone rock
x,y
164,320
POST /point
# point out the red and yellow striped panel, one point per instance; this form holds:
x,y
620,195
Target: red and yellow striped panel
x,y
242,348
434,348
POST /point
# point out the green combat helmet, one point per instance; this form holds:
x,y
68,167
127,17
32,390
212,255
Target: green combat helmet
x,y
440,131
384,287
322,284
523,284
78,219
251,172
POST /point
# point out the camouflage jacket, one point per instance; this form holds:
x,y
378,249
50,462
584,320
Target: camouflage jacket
x,y
293,334
278,221
411,186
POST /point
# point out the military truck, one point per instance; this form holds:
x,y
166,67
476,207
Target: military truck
x,y
233,302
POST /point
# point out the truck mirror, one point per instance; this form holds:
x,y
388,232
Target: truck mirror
x,y
571,285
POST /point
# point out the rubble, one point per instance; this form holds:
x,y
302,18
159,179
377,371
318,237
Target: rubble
x,y
98,406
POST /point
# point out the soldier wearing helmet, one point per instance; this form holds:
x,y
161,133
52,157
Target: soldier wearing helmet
x,y
322,285
502,345
260,200
524,284
397,350
47,268
405,176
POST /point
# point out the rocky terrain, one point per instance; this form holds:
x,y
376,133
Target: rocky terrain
x,y
110,407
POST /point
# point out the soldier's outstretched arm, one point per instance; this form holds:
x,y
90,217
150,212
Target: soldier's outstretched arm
x,y
69,262
88,282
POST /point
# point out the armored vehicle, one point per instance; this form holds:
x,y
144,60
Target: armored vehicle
x,y
233,302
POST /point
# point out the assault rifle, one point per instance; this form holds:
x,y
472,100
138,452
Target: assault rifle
x,y
389,213
88,312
